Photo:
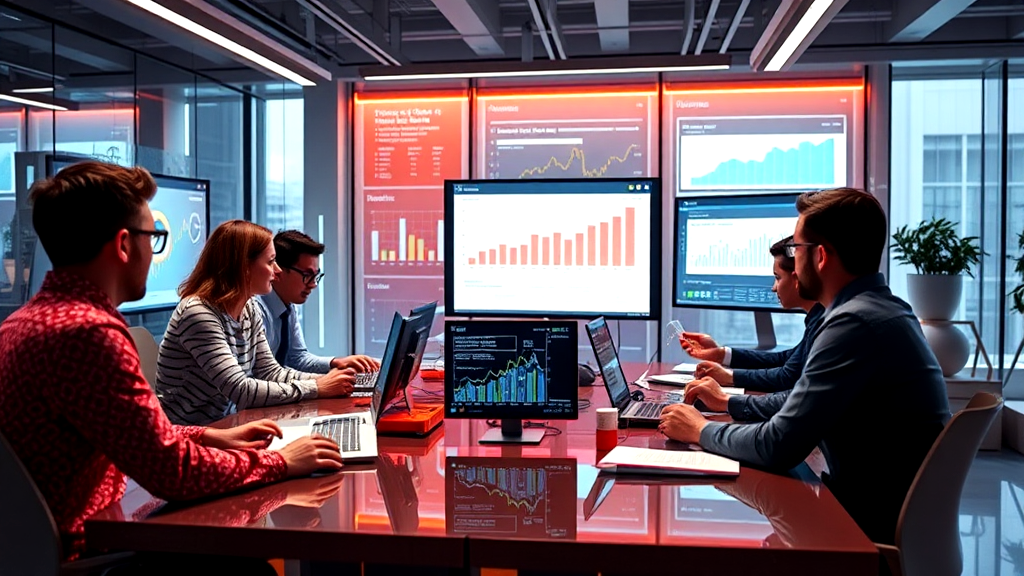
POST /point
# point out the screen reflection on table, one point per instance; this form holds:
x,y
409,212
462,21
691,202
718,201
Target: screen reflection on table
x,y
531,498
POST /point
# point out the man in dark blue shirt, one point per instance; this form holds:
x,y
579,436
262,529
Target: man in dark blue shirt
x,y
757,369
871,395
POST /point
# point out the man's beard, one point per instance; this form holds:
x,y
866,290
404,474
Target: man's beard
x,y
808,283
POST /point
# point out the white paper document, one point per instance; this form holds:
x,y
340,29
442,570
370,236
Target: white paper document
x,y
685,367
647,461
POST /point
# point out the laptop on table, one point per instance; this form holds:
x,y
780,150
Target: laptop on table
x,y
356,432
421,317
631,412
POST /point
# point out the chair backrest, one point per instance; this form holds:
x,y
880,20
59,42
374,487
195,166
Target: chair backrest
x,y
928,534
148,352
29,544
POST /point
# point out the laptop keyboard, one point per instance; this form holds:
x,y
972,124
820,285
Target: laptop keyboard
x,y
649,410
343,430
366,380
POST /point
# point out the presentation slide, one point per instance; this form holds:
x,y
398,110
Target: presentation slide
x,y
762,153
722,256
567,135
759,137
180,208
544,252
405,148
513,497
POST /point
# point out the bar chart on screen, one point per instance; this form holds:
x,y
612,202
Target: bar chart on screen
x,y
405,237
733,246
508,252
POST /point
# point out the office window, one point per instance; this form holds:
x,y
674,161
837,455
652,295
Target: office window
x,y
284,163
937,171
217,134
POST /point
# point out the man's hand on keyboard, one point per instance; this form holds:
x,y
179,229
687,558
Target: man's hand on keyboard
x,y
359,363
255,435
311,454
709,392
336,383
682,423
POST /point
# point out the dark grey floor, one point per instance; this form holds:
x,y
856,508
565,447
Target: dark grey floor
x,y
992,515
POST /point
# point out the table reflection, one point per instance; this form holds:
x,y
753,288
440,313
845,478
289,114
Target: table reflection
x,y
511,497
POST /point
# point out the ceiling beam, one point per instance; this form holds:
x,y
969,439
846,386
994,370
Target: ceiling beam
x,y
542,29
705,29
478,21
612,24
690,9
1015,27
914,20
733,26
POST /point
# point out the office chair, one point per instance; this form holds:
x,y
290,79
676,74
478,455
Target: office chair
x,y
927,532
148,351
29,544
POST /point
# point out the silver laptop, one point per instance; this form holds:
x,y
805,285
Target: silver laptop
x,y
631,412
356,432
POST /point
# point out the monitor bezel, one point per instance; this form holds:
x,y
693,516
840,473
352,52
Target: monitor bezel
x,y
655,251
776,309
158,178
449,374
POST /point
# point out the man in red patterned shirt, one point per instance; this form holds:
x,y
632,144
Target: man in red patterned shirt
x,y
73,402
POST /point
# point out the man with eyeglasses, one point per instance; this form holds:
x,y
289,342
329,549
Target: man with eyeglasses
x,y
871,395
74,405
298,256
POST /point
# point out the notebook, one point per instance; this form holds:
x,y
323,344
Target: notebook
x,y
631,412
631,459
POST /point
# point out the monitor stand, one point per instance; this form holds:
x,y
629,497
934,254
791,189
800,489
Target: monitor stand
x,y
511,432
765,330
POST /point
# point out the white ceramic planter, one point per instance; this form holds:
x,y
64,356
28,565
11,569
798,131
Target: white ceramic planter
x,y
935,296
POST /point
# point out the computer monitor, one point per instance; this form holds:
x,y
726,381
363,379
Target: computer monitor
x,y
515,497
721,257
553,248
511,370
181,206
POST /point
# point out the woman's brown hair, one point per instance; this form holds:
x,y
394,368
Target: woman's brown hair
x,y
221,276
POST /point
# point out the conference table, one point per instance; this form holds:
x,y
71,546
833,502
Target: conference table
x,y
446,501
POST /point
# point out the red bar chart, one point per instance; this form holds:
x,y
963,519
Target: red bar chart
x,y
603,248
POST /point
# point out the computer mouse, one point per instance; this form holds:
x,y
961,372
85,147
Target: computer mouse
x,y
586,375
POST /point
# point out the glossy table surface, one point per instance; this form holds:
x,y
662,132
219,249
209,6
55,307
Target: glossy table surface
x,y
446,500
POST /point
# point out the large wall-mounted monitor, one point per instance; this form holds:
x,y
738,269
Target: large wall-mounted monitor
x,y
574,248
721,254
182,207
511,370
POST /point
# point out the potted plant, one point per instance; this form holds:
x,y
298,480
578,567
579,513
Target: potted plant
x,y
940,257
1017,297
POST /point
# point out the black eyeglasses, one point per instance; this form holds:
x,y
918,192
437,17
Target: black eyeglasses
x,y
791,247
158,238
308,278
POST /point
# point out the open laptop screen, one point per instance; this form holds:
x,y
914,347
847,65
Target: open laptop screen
x,y
608,361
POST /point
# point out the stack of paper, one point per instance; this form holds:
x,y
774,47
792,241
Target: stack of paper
x,y
649,461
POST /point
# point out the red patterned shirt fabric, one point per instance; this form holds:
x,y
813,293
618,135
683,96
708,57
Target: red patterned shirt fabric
x,y
78,412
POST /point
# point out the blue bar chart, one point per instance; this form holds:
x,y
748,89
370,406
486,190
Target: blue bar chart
x,y
522,380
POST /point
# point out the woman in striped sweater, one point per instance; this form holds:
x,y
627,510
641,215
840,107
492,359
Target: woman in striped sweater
x,y
214,359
